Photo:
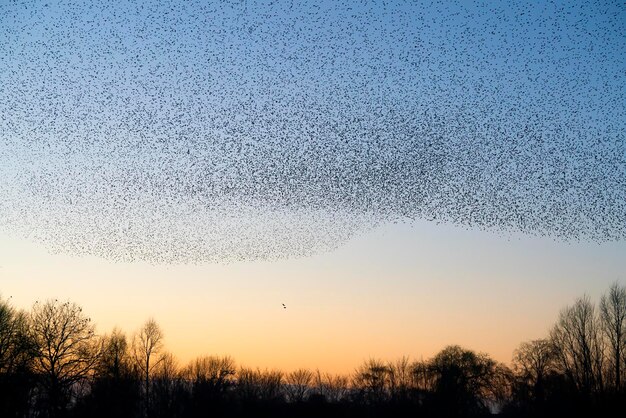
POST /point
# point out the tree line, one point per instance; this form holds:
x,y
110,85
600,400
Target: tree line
x,y
54,365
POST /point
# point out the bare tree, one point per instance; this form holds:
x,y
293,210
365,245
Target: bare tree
x,y
579,346
16,348
257,385
116,388
500,389
298,385
209,381
166,385
400,378
271,385
248,382
147,343
533,361
7,335
115,361
210,374
372,380
16,361
67,350
613,315
422,378
336,387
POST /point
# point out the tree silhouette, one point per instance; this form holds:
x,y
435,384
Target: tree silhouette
x,y
147,343
16,346
16,361
400,379
613,315
336,387
298,385
115,389
216,374
256,385
533,362
166,388
373,381
210,380
463,381
329,387
67,351
52,364
115,361
579,346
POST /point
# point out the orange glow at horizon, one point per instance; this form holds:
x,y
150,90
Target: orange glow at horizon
x,y
395,291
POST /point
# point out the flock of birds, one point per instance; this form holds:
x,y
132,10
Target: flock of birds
x,y
183,132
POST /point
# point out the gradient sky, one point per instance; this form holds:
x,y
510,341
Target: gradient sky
x,y
398,290
78,79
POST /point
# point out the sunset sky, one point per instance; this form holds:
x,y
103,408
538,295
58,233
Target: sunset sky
x,y
401,175
397,290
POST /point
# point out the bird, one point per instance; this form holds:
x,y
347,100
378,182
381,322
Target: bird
x,y
284,307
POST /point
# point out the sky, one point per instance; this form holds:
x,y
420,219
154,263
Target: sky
x,y
397,290
401,175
